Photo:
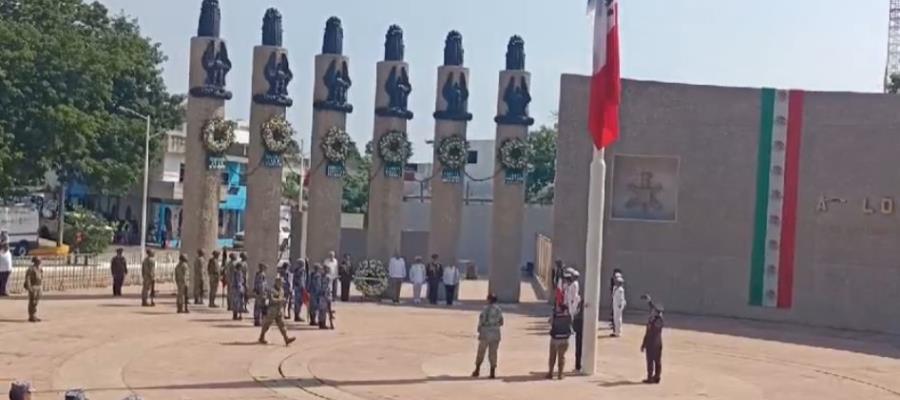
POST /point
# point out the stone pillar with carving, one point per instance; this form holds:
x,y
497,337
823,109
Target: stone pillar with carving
x,y
391,150
511,167
271,140
451,152
330,144
208,135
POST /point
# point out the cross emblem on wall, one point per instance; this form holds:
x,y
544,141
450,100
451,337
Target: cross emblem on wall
x,y
645,193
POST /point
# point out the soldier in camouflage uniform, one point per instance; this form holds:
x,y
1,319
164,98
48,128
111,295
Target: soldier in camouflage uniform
x,y
314,286
324,301
236,290
181,284
489,323
33,278
284,271
213,272
260,286
274,313
229,272
148,276
197,277
298,278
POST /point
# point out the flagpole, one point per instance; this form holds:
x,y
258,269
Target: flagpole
x,y
593,257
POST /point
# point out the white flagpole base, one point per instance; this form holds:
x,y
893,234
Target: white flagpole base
x,y
594,252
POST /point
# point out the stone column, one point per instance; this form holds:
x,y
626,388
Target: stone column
x,y
385,213
265,169
330,105
202,176
451,119
508,213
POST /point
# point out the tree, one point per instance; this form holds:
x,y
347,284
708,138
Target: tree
x,y
539,185
65,69
356,183
894,84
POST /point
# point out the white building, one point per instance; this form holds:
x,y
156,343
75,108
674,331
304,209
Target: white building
x,y
478,181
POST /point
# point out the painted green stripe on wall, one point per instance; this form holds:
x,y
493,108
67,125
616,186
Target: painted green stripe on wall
x,y
764,159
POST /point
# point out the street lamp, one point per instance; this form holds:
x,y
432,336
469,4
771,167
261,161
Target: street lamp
x,y
144,194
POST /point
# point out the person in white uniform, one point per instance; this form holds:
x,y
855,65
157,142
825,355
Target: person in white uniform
x,y
397,274
618,304
417,276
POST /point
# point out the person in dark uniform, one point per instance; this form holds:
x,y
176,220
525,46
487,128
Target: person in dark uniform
x,y
345,274
119,268
652,345
578,327
434,272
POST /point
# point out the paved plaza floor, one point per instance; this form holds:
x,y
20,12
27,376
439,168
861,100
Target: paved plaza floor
x,y
113,347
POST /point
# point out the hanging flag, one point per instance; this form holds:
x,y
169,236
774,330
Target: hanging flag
x,y
606,86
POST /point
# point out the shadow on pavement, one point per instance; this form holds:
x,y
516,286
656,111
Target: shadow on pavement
x,y
876,344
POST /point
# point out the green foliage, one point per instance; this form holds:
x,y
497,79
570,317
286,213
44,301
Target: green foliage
x,y
65,68
539,184
894,85
290,187
96,234
356,183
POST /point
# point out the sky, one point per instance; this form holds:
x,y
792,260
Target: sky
x,y
804,44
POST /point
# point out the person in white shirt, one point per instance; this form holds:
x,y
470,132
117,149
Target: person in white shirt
x,y
331,270
417,277
6,263
618,304
571,289
451,280
396,273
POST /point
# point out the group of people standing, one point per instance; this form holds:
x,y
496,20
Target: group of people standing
x,y
431,275
293,286
568,319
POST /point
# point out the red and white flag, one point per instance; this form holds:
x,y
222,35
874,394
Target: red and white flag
x,y
606,86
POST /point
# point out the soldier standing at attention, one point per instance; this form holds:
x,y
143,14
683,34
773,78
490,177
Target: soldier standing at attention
x,y
314,285
33,278
199,265
212,270
489,323
236,290
298,276
274,313
181,284
119,268
148,286
245,267
229,273
259,294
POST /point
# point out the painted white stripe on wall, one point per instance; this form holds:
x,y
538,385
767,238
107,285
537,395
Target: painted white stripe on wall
x,y
776,185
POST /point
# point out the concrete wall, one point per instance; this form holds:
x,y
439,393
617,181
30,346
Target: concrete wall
x,y
847,269
475,238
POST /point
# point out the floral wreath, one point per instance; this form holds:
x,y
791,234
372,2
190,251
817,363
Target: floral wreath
x,y
394,147
218,135
277,135
371,278
337,145
514,154
453,152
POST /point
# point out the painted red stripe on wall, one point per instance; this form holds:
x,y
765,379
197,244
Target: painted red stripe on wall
x,y
791,195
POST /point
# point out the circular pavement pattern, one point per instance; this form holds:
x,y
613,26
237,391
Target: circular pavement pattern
x,y
112,347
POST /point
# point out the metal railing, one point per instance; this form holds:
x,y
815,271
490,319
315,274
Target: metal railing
x,y
84,271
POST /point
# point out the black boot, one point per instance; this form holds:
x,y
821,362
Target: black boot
x,y
493,372
477,372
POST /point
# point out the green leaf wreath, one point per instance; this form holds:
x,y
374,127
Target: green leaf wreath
x,y
277,134
218,135
453,152
514,154
371,278
337,145
394,147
